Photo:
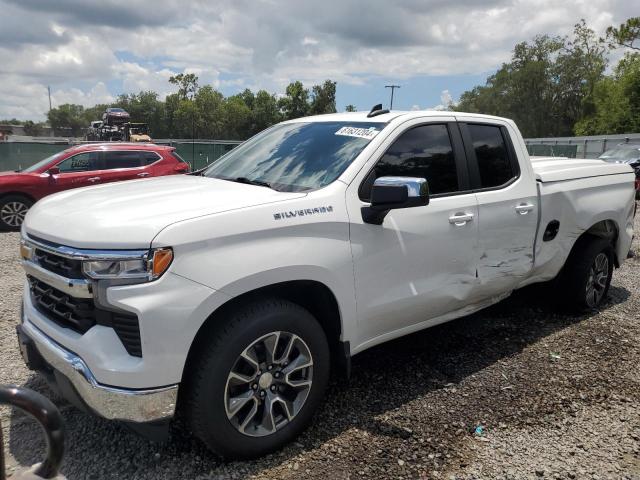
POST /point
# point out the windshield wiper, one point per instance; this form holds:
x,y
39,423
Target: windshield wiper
x,y
248,181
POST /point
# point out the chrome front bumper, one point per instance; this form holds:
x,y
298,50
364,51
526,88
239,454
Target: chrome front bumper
x,y
140,406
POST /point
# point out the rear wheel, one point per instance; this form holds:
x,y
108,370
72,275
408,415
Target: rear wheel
x,y
258,380
13,209
586,278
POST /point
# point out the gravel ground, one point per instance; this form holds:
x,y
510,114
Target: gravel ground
x,y
516,391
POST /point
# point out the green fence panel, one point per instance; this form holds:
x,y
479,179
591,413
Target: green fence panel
x,y
19,155
199,155
552,150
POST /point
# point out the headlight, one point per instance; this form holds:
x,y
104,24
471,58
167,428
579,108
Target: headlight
x,y
147,267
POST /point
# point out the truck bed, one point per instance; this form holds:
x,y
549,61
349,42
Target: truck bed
x,y
554,169
570,194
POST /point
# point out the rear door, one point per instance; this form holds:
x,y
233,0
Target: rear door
x,y
127,165
507,206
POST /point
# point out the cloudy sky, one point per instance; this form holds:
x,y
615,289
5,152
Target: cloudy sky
x,y
90,51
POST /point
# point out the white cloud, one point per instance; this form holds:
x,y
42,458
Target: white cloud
x,y
446,101
75,46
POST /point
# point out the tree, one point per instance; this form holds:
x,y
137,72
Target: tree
x,y
209,111
625,35
295,103
265,112
616,101
32,129
350,108
68,117
187,84
323,98
547,86
248,98
236,117
145,107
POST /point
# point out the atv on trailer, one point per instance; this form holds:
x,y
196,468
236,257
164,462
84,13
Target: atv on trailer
x,y
137,132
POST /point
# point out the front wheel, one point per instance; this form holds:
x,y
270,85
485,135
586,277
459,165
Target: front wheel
x,y
258,379
13,209
587,274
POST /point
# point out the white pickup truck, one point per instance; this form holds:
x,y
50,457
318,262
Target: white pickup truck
x,y
228,294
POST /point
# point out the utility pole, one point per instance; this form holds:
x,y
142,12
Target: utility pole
x,y
392,87
49,90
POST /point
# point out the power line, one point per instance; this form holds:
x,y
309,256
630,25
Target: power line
x,y
392,87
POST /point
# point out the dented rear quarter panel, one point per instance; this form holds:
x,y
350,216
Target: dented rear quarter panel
x,y
578,204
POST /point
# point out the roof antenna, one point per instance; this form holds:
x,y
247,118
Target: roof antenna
x,y
377,110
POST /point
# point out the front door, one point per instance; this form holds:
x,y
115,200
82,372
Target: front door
x,y
421,262
79,170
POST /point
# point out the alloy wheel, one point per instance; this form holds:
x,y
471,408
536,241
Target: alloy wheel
x,y
597,281
268,384
13,213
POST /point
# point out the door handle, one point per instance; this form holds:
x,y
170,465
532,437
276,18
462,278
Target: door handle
x,y
144,174
460,219
524,208
93,179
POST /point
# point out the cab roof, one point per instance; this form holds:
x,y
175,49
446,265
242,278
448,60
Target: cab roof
x,y
387,117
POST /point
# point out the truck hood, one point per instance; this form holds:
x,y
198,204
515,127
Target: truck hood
x,y
130,214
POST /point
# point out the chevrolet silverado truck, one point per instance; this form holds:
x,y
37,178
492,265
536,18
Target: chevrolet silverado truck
x,y
227,295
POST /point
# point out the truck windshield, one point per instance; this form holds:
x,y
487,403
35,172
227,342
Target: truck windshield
x,y
295,157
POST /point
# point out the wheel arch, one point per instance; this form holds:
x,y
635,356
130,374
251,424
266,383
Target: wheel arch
x,y
314,296
18,194
608,229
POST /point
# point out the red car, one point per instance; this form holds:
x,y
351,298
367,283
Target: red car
x,y
82,166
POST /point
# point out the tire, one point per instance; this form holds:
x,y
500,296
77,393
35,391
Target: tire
x,y
585,280
239,428
13,208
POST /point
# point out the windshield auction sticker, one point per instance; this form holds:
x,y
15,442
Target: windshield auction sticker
x,y
367,133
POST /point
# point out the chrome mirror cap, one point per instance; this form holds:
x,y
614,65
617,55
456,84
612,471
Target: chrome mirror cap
x,y
391,193
416,187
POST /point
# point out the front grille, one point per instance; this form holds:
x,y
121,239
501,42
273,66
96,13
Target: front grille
x,y
63,266
80,314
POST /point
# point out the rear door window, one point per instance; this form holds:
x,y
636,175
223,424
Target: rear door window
x,y
149,157
494,164
120,159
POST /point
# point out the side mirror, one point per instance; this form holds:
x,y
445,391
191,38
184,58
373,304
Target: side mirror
x,y
182,167
53,170
389,193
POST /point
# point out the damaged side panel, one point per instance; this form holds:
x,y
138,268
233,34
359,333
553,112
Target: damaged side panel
x,y
602,206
